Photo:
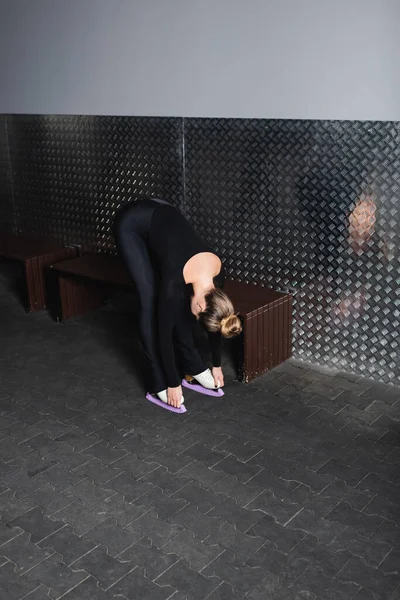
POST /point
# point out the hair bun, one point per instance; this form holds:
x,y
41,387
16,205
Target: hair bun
x,y
231,326
219,314
224,321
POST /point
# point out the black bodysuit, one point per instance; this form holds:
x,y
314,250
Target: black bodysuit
x,y
156,242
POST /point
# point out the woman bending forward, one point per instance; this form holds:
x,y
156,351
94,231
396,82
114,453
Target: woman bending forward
x,y
176,276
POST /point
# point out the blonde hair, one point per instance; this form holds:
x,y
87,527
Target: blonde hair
x,y
219,314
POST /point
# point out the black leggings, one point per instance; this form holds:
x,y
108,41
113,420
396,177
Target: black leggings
x,y
131,232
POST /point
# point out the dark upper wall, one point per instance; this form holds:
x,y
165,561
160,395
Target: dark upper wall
x,y
314,59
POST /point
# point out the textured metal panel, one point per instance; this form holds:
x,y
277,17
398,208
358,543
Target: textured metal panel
x,y
313,207
73,172
7,217
306,206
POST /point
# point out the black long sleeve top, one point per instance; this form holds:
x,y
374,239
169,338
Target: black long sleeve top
x,y
173,242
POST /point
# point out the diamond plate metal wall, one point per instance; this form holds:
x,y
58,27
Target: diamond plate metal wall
x,y
312,207
71,173
309,206
7,216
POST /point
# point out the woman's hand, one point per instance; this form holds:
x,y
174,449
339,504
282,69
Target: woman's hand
x,y
174,396
218,377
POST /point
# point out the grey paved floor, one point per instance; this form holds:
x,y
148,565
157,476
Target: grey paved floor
x,y
286,489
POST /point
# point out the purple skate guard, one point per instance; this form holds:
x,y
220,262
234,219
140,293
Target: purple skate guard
x,y
181,410
191,384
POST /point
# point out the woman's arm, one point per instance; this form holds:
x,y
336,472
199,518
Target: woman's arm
x,y
215,345
214,338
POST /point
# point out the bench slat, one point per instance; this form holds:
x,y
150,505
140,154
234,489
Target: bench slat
x,y
103,268
248,298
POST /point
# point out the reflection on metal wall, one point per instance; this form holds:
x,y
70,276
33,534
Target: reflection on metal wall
x,y
314,207
309,206
73,172
6,194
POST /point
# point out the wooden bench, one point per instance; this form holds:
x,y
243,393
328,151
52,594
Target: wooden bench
x,y
80,285
267,328
34,254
